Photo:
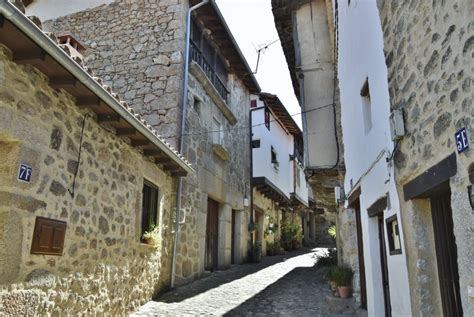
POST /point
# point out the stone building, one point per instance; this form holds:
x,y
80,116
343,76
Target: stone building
x,y
429,50
307,34
76,196
138,47
280,191
404,72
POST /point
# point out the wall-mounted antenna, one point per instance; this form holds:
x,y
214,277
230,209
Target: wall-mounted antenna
x,y
260,50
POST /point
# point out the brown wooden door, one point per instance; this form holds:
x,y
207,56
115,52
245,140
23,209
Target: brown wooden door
x,y
360,248
212,234
446,253
384,268
232,240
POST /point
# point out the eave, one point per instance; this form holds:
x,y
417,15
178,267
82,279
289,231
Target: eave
x,y
30,45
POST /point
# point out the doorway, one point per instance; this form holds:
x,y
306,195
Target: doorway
x,y
233,240
212,234
446,252
360,251
384,267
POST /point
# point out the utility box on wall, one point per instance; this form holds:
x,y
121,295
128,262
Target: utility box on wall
x,y
397,124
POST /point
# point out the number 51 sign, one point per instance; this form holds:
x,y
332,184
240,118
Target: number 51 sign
x,y
462,142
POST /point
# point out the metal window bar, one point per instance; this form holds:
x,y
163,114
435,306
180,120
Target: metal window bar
x,y
197,56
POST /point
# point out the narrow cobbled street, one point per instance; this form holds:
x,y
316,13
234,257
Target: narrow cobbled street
x,y
287,285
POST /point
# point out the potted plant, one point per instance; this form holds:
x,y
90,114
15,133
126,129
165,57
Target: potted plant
x,y
342,275
253,227
255,253
152,236
330,278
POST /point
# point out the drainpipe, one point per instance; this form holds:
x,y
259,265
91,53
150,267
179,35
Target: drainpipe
x,y
181,138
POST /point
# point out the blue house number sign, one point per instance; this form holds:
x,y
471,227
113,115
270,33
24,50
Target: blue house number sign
x,y
462,142
24,173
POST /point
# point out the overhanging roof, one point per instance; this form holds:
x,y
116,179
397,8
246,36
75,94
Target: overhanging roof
x,y
30,45
279,110
283,16
212,18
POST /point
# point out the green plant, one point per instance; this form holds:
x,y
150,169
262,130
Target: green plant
x,y
273,248
343,275
332,231
291,235
328,258
330,273
152,236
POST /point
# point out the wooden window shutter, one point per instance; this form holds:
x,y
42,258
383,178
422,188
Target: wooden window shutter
x,y
48,236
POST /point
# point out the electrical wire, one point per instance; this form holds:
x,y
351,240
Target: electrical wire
x,y
241,127
336,40
73,187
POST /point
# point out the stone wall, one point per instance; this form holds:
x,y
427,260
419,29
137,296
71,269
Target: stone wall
x,y
429,47
136,47
104,269
270,213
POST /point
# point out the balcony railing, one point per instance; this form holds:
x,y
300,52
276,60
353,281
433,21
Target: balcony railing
x,y
198,57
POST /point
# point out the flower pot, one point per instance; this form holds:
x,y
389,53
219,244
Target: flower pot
x,y
344,291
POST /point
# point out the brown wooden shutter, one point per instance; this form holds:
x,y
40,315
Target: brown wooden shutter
x,y
48,237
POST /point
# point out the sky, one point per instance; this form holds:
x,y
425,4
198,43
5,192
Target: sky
x,y
252,25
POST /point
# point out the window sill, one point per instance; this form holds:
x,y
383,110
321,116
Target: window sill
x,y
220,151
197,71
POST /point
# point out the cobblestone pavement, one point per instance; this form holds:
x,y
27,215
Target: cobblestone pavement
x,y
288,285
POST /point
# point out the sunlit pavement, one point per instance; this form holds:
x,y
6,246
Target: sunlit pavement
x,y
287,285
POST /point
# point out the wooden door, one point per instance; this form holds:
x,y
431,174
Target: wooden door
x,y
360,250
446,253
384,267
212,234
232,241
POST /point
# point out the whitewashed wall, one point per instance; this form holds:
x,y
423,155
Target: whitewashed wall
x,y
361,56
282,143
52,9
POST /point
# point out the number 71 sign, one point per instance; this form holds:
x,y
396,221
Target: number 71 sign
x,y
24,173
462,142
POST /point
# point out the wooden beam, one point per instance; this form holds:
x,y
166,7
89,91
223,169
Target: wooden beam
x,y
29,57
152,153
179,174
169,166
125,131
61,82
140,142
2,21
113,117
89,101
162,160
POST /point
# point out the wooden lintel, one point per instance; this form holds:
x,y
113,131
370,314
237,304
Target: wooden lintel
x,y
29,57
125,131
113,117
92,101
140,142
60,82
179,174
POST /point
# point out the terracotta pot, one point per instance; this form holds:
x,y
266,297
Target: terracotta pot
x,y
344,291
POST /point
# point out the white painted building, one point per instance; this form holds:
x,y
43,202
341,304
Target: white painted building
x,y
369,180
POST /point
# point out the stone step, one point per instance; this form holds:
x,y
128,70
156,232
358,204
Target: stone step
x,y
341,305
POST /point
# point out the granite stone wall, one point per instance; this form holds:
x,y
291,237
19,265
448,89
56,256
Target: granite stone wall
x,y
429,50
136,47
104,269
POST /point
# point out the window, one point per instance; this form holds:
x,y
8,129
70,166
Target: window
x,y
274,158
366,106
217,132
255,144
393,235
197,104
267,118
149,206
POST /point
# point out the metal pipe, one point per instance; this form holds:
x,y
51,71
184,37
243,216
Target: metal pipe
x,y
11,13
181,135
